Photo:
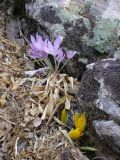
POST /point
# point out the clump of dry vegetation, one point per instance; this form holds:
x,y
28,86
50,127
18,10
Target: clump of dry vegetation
x,y
28,105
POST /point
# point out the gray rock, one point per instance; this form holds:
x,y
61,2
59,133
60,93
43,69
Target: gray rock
x,y
106,8
117,54
74,20
1,1
63,18
105,36
54,15
109,132
12,29
99,96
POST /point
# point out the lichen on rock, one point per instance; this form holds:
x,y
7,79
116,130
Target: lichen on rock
x,y
105,35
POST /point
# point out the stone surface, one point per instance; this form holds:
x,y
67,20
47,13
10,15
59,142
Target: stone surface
x,y
12,29
108,8
105,36
75,20
99,96
1,1
63,18
55,15
109,132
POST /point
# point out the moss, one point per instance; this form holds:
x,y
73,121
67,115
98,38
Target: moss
x,y
105,36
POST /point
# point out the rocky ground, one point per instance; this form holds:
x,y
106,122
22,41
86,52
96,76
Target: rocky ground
x,y
92,29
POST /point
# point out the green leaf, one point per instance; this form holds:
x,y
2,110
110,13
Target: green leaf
x,y
86,148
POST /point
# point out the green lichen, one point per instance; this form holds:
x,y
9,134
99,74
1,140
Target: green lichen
x,y
65,15
105,36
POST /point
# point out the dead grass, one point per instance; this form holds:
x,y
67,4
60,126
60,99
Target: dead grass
x,y
23,102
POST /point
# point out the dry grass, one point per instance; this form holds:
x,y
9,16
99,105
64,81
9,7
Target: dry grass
x,y
23,102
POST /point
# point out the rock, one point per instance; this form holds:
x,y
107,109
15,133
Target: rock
x,y
12,29
109,131
1,1
56,16
117,54
108,8
75,21
63,18
105,36
99,97
18,4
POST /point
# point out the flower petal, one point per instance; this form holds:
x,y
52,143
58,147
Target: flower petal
x,y
32,39
70,54
58,42
51,48
81,122
39,38
64,116
45,46
76,117
75,133
60,56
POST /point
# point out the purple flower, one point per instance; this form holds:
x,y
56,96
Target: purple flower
x,y
37,49
55,47
70,54
60,55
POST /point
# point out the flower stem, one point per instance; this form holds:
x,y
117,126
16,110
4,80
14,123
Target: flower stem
x,y
40,62
55,64
63,65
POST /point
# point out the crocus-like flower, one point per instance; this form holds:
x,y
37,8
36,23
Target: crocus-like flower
x,y
54,49
60,55
70,54
40,49
80,124
37,47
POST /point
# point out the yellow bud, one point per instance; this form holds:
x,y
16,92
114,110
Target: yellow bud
x,y
64,116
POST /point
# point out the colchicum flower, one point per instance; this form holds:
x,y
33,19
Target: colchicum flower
x,y
71,54
40,51
37,49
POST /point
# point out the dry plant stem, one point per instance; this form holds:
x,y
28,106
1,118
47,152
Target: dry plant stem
x,y
16,144
7,121
61,123
52,114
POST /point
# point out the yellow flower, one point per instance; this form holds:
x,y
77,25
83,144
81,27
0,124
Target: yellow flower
x,y
64,116
80,121
75,133
80,124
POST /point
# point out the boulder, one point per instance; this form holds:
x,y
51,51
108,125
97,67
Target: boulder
x,y
105,36
77,22
99,97
61,18
108,8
